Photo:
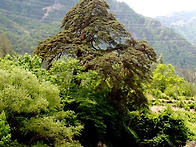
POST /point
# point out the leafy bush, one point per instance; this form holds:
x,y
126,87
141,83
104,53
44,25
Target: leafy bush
x,y
53,128
172,125
22,92
167,84
165,129
84,93
33,107
5,135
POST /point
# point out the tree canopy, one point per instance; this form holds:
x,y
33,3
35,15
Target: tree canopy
x,y
32,106
94,36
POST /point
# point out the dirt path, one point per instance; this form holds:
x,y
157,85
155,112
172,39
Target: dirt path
x,y
157,109
50,8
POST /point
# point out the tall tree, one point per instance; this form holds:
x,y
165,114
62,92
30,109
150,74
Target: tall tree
x,y
86,26
101,43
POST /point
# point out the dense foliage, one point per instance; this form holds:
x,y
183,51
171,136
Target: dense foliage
x,y
159,130
37,121
22,22
170,90
167,85
5,136
92,91
94,37
33,106
166,81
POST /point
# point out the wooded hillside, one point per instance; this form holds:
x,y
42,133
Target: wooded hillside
x,y
25,23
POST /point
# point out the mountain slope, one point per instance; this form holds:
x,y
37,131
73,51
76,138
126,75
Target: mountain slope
x,y
27,22
174,48
182,22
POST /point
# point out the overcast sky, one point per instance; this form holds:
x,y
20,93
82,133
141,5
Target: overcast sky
x,y
153,8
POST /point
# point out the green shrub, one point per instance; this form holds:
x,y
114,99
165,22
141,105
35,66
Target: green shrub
x,y
166,84
193,90
83,93
165,129
33,108
160,140
180,104
5,135
170,124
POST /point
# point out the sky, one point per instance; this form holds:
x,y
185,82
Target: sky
x,y
153,8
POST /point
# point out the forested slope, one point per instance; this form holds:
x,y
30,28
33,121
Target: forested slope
x,y
27,22
174,48
182,22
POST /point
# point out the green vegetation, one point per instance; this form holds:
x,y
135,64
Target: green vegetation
x,y
94,37
5,136
175,49
50,103
22,23
5,46
183,23
166,81
168,87
170,90
32,105
89,85
165,129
